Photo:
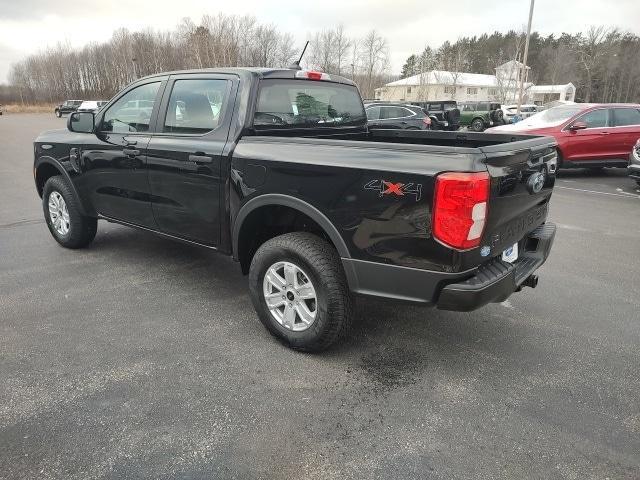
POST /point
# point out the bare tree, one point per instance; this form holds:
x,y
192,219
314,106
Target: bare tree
x,y
590,49
374,58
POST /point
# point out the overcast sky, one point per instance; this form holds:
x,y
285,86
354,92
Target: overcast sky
x,y
27,26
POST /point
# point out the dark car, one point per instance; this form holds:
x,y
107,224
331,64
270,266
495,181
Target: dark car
x,y
444,114
397,115
277,168
634,163
69,106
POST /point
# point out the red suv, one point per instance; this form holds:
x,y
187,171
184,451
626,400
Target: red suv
x,y
588,135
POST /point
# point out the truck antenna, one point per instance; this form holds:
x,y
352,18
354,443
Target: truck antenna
x,y
296,65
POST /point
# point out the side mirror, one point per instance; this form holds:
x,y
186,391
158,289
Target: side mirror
x,y
578,126
81,122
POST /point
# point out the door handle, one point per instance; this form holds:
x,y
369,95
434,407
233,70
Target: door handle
x,y
604,133
129,152
200,158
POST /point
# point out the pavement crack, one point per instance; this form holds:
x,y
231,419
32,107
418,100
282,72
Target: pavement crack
x,y
20,223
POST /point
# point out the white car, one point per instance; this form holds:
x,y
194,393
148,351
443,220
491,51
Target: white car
x,y
510,112
91,105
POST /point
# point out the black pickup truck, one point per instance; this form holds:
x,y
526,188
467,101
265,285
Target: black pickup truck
x,y
277,168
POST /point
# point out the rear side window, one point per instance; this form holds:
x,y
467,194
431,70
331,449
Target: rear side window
x,y
394,112
195,106
595,118
307,104
626,116
435,106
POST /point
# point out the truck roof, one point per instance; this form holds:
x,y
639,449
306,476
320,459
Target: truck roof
x,y
260,72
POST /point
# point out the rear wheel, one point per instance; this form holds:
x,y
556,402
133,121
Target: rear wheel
x,y
477,125
68,226
300,292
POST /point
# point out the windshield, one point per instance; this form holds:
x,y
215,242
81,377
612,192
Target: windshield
x,y
307,104
553,116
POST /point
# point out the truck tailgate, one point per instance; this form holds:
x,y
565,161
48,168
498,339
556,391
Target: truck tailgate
x,y
522,178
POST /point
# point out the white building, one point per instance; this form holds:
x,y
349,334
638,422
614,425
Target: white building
x,y
462,87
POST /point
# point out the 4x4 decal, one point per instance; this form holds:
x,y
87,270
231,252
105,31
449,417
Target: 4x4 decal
x,y
383,187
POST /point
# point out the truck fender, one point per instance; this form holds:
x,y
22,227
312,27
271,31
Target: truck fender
x,y
292,202
63,171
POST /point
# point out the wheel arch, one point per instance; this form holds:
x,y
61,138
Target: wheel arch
x,y
47,167
250,213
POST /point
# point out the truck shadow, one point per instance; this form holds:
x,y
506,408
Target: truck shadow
x,y
390,344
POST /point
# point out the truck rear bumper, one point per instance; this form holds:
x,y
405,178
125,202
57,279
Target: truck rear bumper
x,y
460,291
497,279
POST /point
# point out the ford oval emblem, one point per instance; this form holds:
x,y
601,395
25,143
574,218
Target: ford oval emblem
x,y
536,182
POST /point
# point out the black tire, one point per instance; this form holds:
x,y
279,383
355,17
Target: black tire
x,y
58,113
496,115
477,125
321,263
81,230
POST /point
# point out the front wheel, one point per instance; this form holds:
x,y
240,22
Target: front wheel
x,y
68,226
300,292
477,125
58,113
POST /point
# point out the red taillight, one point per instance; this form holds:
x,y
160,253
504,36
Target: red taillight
x,y
460,208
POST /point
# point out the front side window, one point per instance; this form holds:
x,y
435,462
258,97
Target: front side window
x,y
626,116
196,105
595,118
132,111
307,104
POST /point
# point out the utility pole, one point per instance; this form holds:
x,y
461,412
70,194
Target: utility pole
x,y
524,59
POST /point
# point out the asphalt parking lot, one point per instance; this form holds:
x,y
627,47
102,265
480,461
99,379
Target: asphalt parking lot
x,y
142,358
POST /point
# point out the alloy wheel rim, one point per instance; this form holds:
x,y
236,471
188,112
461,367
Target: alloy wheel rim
x,y
59,214
290,296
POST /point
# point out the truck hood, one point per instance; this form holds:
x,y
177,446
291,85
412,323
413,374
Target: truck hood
x,y
51,134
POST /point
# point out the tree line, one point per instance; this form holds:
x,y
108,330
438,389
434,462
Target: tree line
x,y
603,63
99,70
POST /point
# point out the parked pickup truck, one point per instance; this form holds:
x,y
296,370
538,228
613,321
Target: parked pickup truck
x,y
276,167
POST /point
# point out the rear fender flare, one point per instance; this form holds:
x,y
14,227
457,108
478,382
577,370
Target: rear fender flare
x,y
292,202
